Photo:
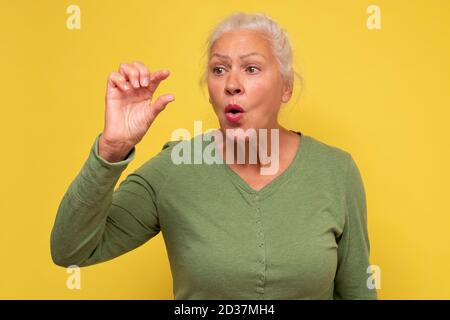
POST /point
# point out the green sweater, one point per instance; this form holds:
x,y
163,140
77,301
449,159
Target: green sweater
x,y
302,236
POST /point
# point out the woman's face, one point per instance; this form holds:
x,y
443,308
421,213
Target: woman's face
x,y
242,71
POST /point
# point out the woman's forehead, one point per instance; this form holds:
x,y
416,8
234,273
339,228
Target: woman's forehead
x,y
240,43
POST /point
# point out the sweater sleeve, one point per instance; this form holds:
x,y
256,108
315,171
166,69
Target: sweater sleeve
x,y
94,223
353,244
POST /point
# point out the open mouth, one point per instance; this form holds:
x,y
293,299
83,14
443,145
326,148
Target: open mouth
x,y
233,108
234,113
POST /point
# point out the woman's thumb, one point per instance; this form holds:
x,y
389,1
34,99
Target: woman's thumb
x,y
159,105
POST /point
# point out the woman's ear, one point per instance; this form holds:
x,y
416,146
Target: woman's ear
x,y
287,93
288,88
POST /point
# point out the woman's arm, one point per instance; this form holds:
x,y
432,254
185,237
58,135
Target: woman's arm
x,y
353,244
94,223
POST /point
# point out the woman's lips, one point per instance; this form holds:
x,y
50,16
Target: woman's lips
x,y
234,117
234,113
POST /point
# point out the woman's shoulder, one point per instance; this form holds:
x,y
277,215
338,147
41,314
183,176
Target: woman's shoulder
x,y
326,155
323,148
158,167
167,160
331,163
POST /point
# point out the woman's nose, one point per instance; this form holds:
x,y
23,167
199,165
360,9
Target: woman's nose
x,y
232,91
233,87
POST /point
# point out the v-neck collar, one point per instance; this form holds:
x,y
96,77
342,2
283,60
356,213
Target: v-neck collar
x,y
277,181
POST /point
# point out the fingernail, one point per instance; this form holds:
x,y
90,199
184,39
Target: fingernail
x,y
136,83
145,82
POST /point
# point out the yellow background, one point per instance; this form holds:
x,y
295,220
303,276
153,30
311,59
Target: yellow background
x,y
382,95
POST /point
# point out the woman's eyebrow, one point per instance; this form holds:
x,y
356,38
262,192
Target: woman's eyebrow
x,y
241,57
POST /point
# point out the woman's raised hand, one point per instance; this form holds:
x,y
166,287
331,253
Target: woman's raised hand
x,y
130,109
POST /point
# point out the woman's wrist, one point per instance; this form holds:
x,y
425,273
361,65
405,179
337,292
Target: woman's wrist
x,y
112,152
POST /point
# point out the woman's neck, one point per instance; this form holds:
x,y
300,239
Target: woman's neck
x,y
254,149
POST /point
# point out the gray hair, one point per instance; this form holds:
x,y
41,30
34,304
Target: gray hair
x,y
278,39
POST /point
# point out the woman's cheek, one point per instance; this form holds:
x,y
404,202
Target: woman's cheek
x,y
255,89
214,94
260,93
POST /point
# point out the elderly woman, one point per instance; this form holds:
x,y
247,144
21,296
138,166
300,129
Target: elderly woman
x,y
230,231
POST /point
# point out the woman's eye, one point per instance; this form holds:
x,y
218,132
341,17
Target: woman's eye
x,y
252,69
217,70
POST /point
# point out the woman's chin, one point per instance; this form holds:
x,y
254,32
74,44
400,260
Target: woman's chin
x,y
235,128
